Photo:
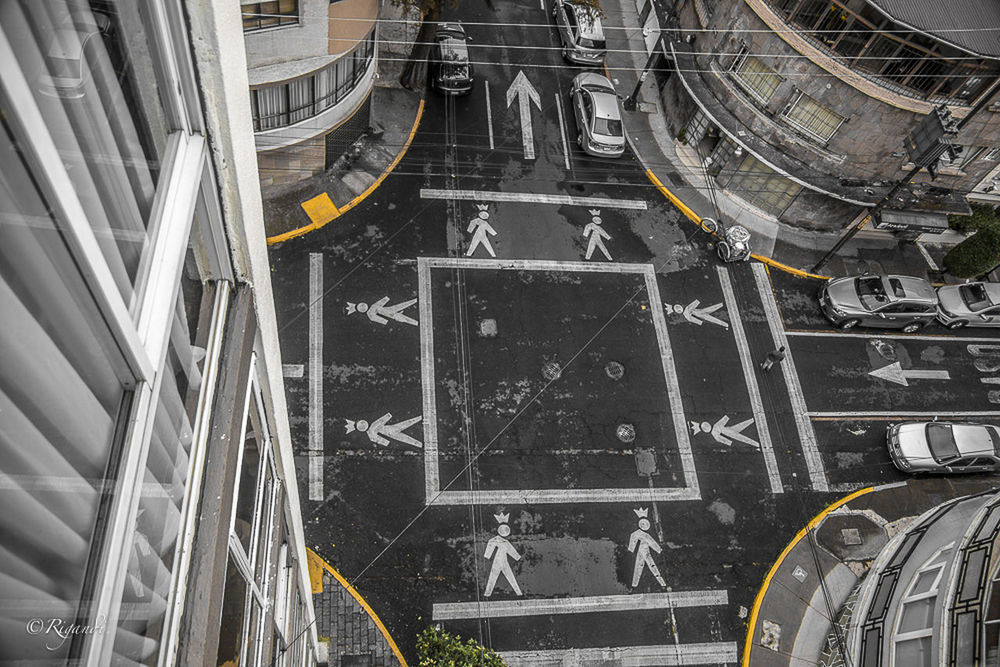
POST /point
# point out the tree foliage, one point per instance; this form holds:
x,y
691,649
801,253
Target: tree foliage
x,y
983,215
975,255
437,648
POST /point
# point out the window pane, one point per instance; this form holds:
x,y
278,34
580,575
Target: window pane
x,y
234,610
92,76
917,615
914,652
812,117
924,582
247,496
757,78
60,398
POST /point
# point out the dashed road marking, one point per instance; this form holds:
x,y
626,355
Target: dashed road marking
x,y
896,336
315,376
533,198
563,131
662,655
451,611
489,114
292,370
875,414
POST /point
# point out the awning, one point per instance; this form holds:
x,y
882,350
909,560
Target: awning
x,y
911,221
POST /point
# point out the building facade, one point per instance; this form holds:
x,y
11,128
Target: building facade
x,y
312,65
150,514
932,597
800,108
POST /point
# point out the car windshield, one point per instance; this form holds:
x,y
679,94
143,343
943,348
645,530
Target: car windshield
x,y
588,43
609,127
871,292
975,297
941,442
454,71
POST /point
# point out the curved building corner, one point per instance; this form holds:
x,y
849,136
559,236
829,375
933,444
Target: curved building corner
x,y
312,66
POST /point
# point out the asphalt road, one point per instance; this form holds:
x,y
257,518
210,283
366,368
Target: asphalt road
x,y
593,431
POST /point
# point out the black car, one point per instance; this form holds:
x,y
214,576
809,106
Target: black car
x,y
451,71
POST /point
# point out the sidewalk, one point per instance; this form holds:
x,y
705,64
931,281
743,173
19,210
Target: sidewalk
x,y
791,622
679,170
311,203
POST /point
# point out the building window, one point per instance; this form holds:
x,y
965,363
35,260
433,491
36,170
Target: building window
x,y
263,15
755,77
289,102
915,615
811,117
763,187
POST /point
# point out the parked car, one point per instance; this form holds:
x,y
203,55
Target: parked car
x,y
451,71
944,447
971,304
75,49
598,118
893,302
580,32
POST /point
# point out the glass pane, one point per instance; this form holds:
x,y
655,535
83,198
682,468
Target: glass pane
x,y
233,622
923,582
90,68
60,399
264,534
246,499
917,615
914,652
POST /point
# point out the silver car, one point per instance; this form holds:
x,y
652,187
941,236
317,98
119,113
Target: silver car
x,y
944,447
598,118
892,302
971,304
580,31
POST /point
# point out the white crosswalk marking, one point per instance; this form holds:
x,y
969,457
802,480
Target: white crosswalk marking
x,y
450,611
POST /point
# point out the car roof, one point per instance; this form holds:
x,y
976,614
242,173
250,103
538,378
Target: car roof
x,y
917,289
588,20
605,105
451,39
974,439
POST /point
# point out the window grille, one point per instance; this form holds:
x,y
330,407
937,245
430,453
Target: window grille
x,y
811,117
755,77
264,15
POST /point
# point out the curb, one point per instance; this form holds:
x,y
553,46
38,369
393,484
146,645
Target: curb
x,y
316,560
752,620
271,240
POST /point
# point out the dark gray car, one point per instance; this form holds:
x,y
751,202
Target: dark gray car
x,y
885,301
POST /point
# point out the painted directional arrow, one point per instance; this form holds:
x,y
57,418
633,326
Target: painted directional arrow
x,y
695,315
525,93
896,373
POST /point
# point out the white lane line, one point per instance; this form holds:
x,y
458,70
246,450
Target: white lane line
x,y
541,5
451,611
662,655
432,478
927,257
293,370
532,198
892,415
531,265
814,462
566,496
940,338
993,380
489,113
673,385
562,131
749,373
315,376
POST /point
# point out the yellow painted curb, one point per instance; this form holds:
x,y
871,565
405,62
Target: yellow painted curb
x,y
751,626
694,217
314,557
271,240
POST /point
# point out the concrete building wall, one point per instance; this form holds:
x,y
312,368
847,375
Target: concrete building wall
x,y
292,42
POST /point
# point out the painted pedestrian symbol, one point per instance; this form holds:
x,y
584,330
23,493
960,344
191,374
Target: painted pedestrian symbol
x,y
723,433
645,542
595,235
480,228
695,315
380,430
380,312
500,549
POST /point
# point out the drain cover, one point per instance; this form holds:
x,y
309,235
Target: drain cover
x,y
614,370
488,328
625,432
851,536
551,370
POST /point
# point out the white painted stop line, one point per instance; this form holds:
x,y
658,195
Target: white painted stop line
x,y
533,198
451,611
660,655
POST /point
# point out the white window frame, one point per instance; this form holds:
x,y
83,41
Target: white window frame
x,y
785,115
933,564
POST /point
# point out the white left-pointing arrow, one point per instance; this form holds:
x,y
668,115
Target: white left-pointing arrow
x,y
895,373
525,94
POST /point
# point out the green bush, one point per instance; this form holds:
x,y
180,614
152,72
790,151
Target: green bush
x,y
975,255
983,215
437,648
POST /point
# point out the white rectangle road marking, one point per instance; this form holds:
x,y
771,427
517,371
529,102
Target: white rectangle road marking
x,y
315,376
489,112
876,414
814,462
896,336
749,374
532,198
293,370
662,655
563,132
451,611
432,480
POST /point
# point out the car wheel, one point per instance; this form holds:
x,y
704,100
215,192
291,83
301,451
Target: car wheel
x,y
848,324
913,326
957,324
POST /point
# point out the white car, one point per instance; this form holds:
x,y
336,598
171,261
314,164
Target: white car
x,y
598,118
944,447
580,32
971,304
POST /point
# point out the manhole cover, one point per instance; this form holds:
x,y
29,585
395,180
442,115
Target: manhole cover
x,y
487,328
626,432
551,370
614,370
851,536
885,349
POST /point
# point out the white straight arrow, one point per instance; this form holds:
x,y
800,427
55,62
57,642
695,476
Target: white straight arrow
x,y
525,93
895,373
